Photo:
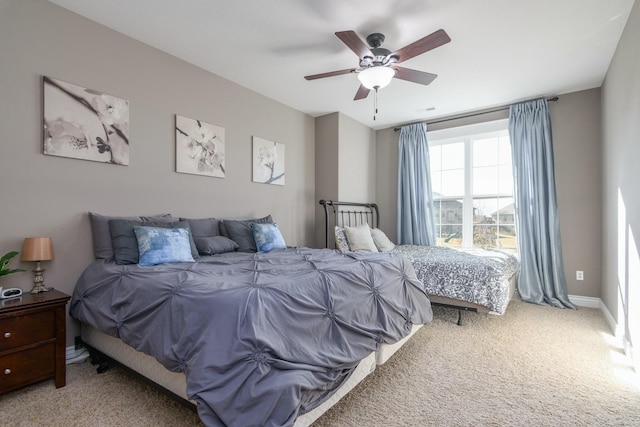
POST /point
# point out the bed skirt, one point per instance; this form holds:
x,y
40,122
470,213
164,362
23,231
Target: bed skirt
x,y
174,383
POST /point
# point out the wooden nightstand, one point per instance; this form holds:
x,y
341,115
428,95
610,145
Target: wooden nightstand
x,y
32,339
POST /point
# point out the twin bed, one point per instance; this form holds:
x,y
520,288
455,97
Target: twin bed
x,y
472,279
253,338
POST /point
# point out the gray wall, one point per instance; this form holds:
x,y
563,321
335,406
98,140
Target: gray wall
x,y
576,130
357,161
387,180
50,196
327,168
345,165
621,176
576,127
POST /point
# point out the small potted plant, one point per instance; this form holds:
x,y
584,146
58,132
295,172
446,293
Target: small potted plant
x,y
4,270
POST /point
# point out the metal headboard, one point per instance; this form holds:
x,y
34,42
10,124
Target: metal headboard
x,y
349,214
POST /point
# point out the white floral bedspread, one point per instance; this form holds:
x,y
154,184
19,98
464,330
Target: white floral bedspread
x,y
474,275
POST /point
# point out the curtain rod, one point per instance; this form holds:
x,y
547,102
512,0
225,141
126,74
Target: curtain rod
x,y
506,107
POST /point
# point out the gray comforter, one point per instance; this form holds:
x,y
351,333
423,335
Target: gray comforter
x,y
479,276
261,338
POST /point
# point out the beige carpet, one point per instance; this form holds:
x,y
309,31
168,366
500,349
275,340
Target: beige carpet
x,y
535,366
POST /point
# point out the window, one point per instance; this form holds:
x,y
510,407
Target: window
x,y
472,184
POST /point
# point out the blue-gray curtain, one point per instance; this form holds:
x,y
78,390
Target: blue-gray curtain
x,y
542,279
416,225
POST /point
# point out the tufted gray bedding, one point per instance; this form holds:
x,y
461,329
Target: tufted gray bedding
x,y
261,338
479,276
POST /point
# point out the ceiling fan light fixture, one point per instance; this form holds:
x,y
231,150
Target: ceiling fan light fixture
x,y
376,77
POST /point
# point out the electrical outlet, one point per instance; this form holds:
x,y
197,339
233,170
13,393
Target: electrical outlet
x,y
579,275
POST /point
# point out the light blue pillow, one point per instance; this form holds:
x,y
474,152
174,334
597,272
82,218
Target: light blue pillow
x,y
162,245
240,232
267,237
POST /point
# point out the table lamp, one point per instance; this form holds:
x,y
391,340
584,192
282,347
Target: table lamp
x,y
37,249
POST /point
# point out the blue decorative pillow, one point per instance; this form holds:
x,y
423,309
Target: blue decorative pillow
x,y
125,243
240,232
267,237
162,245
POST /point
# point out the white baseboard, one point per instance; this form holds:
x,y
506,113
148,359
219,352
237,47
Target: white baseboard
x,y
616,330
581,301
71,349
592,302
76,355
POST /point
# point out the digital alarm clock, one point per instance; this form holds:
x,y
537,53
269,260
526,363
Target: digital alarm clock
x,y
10,293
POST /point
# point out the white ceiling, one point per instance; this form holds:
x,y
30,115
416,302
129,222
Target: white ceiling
x,y
501,51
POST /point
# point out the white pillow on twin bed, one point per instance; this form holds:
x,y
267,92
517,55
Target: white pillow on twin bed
x,y
381,240
341,239
360,239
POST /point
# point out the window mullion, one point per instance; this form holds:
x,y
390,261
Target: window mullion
x,y
467,221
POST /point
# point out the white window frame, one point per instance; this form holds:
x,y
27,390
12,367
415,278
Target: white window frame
x,y
468,134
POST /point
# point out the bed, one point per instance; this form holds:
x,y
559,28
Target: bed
x,y
252,338
478,280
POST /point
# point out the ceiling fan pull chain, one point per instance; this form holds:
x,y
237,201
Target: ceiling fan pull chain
x,y
375,103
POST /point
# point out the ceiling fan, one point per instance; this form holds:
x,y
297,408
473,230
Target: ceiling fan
x,y
379,65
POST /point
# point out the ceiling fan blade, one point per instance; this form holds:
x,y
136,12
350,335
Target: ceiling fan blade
x,y
421,46
362,93
354,43
330,74
414,76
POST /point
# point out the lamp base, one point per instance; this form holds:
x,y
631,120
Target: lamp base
x,y
39,288
38,280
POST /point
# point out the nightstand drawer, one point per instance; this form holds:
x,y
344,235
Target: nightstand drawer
x,y
22,330
27,366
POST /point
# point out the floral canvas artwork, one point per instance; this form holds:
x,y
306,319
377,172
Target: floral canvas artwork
x,y
85,124
268,161
199,147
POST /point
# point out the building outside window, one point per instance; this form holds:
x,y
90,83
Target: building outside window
x,y
472,184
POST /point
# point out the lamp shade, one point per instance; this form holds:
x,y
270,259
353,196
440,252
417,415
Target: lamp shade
x,y
376,77
37,249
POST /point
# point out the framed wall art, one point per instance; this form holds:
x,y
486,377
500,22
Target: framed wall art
x,y
199,147
268,161
85,124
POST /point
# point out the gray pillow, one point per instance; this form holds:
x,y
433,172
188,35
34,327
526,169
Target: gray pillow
x,y
125,243
102,245
214,245
203,227
240,232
